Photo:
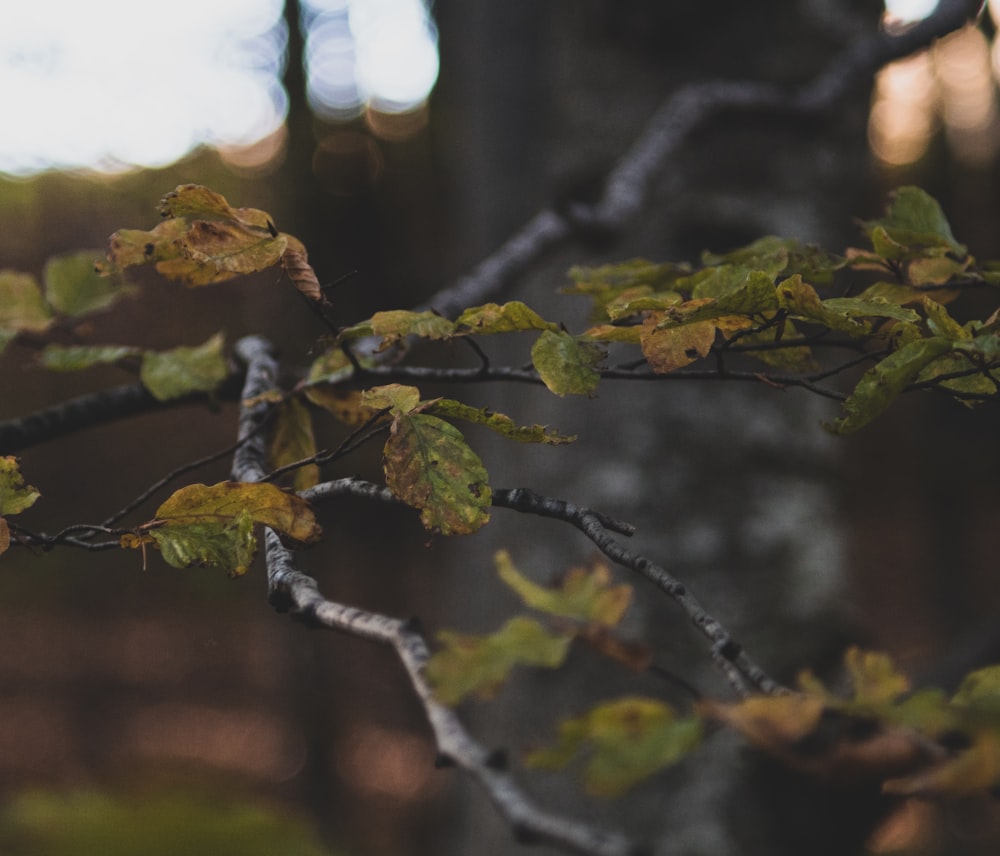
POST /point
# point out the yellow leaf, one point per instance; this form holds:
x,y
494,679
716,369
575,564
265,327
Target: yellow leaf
x,y
265,503
292,440
675,347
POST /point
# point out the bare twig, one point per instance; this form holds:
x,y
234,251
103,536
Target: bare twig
x,y
727,653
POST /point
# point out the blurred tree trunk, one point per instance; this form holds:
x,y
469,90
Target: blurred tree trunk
x,y
730,487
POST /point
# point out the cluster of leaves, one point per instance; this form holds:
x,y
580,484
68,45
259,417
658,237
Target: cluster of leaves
x,y
764,302
923,743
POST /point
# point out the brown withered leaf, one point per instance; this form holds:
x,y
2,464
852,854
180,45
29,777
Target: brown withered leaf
x,y
300,272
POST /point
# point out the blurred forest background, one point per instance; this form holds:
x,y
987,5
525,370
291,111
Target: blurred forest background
x,y
124,692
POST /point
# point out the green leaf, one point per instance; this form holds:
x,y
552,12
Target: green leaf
x,y
914,219
22,306
73,287
625,741
630,303
800,301
880,385
479,665
584,594
755,297
980,689
493,318
498,422
429,466
718,281
399,323
292,440
636,277
169,374
567,364
329,367
15,495
859,307
941,323
396,325
767,253
222,543
79,357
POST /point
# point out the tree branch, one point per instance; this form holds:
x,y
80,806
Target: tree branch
x,y
289,589
636,173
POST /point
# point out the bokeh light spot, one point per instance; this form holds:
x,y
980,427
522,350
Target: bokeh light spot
x,y
112,85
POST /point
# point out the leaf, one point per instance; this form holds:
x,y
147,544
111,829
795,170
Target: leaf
x,y
800,300
429,466
811,262
975,769
22,306
498,422
73,287
204,240
213,251
303,277
856,307
874,677
493,318
630,334
169,374
479,665
630,304
192,201
625,741
396,325
941,323
15,495
788,357
4,536
329,367
80,357
980,689
567,364
668,349
397,398
347,405
292,440
915,219
755,297
227,543
882,383
584,595
632,279
266,504
772,723
213,524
